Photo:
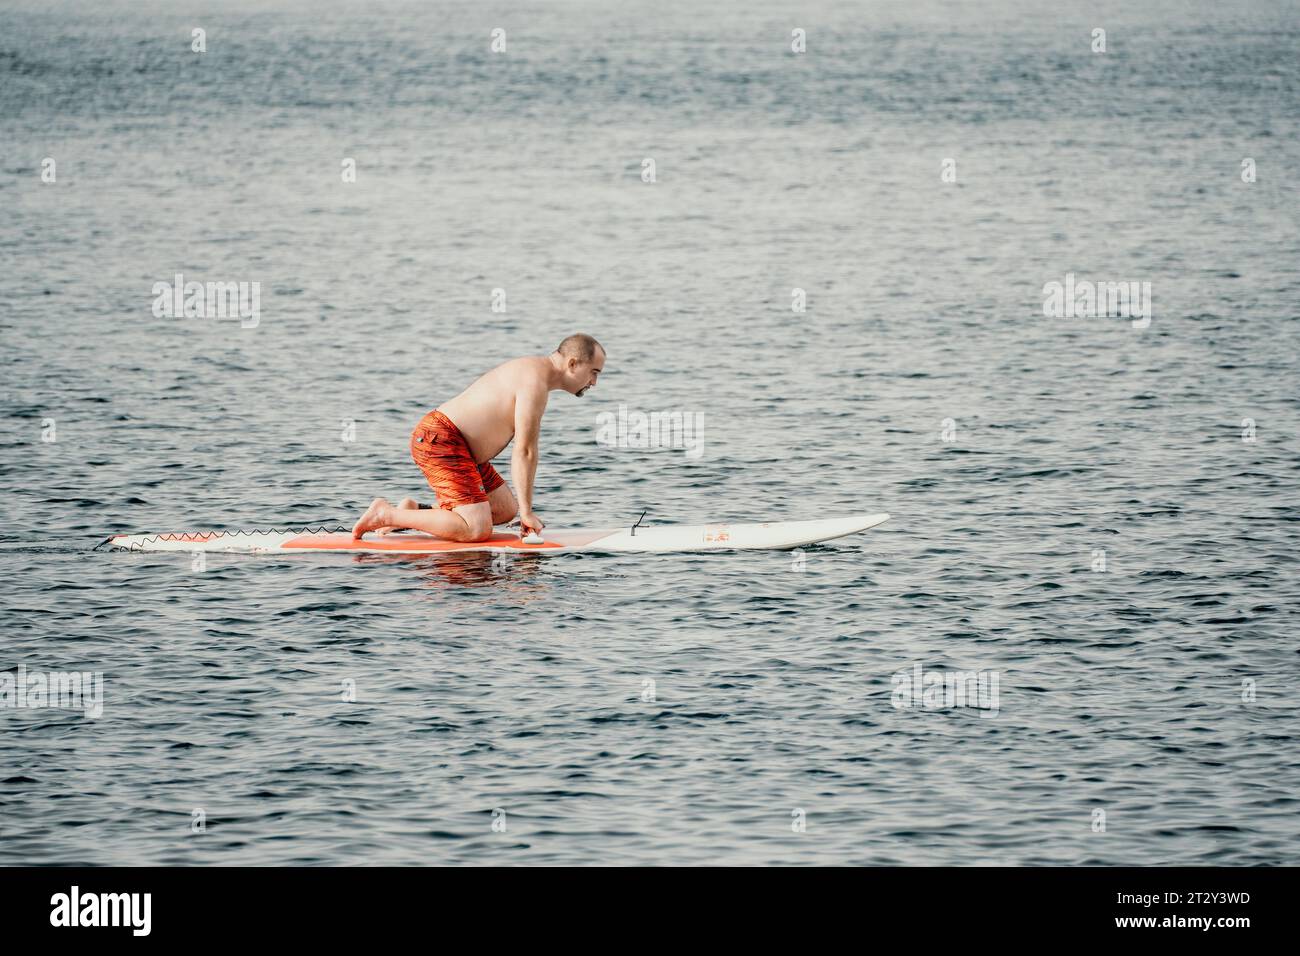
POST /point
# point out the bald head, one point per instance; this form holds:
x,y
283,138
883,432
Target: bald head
x,y
581,347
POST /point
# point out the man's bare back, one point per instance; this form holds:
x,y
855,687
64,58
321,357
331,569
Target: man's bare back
x,y
454,445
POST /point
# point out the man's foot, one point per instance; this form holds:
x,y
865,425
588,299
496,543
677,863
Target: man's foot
x,y
405,503
378,515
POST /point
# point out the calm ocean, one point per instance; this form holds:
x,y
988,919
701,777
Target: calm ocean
x,y
1097,513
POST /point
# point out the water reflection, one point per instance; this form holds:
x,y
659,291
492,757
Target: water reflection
x,y
473,569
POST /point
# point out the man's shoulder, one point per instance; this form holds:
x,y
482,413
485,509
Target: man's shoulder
x,y
528,370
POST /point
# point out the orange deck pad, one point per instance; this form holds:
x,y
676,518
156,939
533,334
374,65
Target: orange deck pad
x,y
427,543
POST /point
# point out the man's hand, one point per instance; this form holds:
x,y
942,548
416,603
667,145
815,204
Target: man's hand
x,y
530,523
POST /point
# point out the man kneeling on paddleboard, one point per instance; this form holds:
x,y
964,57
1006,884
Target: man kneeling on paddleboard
x,y
455,443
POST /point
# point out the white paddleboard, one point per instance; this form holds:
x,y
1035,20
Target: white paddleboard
x,y
703,537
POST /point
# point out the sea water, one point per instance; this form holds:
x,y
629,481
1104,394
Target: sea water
x,y
827,235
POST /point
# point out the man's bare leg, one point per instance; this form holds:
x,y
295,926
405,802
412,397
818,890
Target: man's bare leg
x,y
403,504
466,523
503,504
501,500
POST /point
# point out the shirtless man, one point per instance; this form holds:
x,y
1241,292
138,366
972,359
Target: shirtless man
x,y
455,443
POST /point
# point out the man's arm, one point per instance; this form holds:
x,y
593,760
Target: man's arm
x,y
530,403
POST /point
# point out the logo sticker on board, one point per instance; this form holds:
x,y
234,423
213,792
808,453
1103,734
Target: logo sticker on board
x,y
717,533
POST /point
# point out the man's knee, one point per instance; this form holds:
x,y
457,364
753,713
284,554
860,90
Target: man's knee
x,y
478,522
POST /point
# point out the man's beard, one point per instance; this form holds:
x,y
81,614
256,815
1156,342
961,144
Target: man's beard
x,y
582,391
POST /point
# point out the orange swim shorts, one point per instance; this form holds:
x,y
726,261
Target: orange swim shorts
x,y
440,450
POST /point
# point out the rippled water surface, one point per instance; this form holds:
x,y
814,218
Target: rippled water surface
x,y
646,708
